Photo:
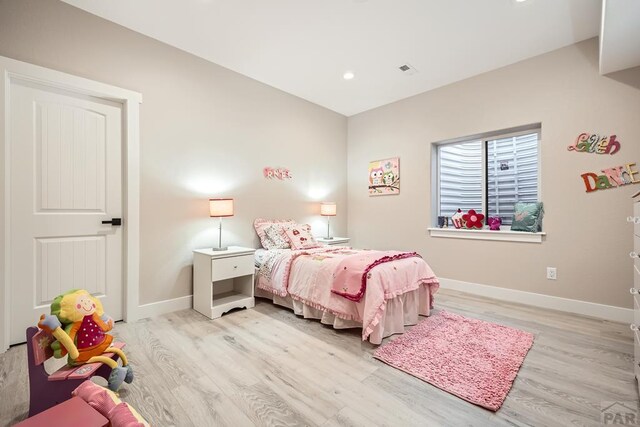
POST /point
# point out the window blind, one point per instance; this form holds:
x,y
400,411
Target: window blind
x,y
460,177
512,174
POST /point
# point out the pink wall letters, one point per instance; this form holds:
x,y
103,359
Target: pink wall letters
x,y
278,173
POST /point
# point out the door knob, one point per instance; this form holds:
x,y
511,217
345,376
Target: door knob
x,y
114,221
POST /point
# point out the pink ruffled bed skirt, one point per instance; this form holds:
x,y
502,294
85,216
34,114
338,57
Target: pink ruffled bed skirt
x,y
401,311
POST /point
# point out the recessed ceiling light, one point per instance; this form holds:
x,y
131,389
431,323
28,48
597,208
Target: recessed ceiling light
x,y
348,75
520,1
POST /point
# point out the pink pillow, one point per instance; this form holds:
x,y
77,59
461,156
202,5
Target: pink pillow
x,y
261,224
301,238
121,416
97,397
109,405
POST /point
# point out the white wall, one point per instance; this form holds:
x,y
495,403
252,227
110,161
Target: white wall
x,y
588,239
205,131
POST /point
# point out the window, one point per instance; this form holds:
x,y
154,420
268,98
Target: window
x,y
489,174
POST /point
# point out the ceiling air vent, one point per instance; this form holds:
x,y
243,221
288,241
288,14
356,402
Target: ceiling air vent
x,y
407,69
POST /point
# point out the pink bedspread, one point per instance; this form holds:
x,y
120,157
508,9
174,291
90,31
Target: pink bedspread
x,y
308,276
351,275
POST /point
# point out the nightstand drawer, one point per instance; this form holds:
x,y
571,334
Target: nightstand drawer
x,y
226,268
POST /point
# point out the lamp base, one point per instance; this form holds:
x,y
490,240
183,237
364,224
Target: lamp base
x,y
220,249
328,238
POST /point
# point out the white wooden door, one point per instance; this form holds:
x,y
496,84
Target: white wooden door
x,y
65,179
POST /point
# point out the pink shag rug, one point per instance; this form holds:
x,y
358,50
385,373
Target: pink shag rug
x,y
472,359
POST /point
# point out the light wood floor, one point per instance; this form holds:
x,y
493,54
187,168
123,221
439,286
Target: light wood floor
x,y
266,366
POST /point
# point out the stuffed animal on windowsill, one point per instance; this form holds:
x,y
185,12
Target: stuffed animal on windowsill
x,y
79,324
494,223
457,219
472,219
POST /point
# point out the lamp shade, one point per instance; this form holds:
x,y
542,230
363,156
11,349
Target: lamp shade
x,y
328,209
220,207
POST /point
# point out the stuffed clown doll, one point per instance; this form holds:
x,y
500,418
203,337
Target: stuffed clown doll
x,y
78,323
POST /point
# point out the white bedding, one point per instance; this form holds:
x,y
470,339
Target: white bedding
x,y
259,256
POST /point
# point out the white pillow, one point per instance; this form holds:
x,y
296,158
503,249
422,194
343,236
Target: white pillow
x,y
275,237
261,224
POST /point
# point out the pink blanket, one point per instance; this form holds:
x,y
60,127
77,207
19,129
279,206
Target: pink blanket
x,y
350,278
308,276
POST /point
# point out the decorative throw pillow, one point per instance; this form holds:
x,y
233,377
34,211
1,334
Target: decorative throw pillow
x,y
528,217
473,219
261,224
276,237
97,397
109,405
123,415
300,237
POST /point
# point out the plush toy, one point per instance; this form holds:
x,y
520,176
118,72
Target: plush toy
x,y
473,219
78,323
456,218
494,223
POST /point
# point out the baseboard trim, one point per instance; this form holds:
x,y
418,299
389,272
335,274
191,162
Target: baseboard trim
x,y
166,306
585,308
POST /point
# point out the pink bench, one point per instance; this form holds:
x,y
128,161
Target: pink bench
x,y
47,390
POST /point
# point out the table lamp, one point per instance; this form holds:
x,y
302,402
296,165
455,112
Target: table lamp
x,y
328,209
219,208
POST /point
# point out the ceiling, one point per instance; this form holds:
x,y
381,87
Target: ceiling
x,y
620,36
304,47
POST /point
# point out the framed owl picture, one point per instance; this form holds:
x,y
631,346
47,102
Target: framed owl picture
x,y
384,177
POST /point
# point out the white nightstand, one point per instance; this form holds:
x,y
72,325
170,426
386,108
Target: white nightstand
x,y
334,241
222,280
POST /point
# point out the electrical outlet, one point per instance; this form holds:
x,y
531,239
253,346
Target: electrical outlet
x,y
551,273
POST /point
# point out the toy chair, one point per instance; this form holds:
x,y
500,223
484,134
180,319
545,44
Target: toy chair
x,y
47,390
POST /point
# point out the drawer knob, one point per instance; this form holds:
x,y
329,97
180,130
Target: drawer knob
x,y
633,255
633,291
634,219
633,327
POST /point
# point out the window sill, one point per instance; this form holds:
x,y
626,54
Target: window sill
x,y
505,235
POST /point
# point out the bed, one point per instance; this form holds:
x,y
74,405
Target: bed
x,y
380,292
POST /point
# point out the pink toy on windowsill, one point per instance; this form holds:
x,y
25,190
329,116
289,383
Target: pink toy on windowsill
x,y
494,223
457,220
